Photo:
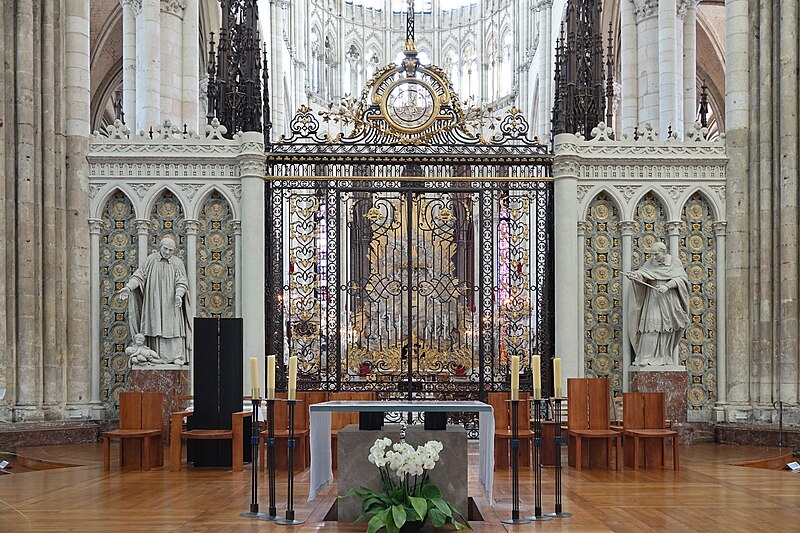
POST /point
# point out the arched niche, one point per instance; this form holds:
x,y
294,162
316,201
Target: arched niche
x,y
167,219
650,225
216,258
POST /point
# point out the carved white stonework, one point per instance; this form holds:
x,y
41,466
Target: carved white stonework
x,y
143,225
190,189
675,191
720,228
173,7
137,6
237,227
601,132
95,226
236,189
627,190
93,188
627,227
644,9
215,130
720,190
191,227
674,227
583,227
141,188
582,190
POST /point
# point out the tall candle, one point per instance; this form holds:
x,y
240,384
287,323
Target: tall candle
x,y
292,378
515,377
557,377
254,381
536,366
270,377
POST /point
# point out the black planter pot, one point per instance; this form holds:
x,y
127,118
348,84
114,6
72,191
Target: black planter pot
x,y
412,527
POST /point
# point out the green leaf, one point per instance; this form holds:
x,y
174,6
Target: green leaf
x,y
442,506
438,518
420,506
399,514
456,512
431,491
378,521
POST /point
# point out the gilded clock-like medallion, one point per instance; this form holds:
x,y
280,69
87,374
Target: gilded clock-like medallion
x,y
410,105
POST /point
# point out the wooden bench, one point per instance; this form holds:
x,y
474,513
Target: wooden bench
x,y
235,435
644,421
140,432
589,422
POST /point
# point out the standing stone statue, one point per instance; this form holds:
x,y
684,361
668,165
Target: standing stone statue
x,y
160,308
659,308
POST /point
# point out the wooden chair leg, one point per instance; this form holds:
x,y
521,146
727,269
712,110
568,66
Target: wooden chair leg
x,y
619,451
147,453
106,453
578,452
610,451
636,452
175,452
238,442
676,462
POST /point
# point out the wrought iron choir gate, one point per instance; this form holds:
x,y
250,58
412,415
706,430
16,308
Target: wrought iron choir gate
x,y
410,243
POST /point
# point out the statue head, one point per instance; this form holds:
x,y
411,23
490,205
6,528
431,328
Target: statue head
x,y
167,247
138,339
659,250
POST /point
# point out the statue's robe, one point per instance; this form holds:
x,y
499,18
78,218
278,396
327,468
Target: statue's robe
x,y
657,321
152,311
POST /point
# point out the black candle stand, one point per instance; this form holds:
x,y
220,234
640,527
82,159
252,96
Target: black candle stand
x,y
559,513
273,511
537,464
254,433
515,518
289,519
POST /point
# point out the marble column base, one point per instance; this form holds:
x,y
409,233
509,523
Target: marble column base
x,y
675,386
173,382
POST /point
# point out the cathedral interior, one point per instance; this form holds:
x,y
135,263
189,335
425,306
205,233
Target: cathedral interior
x,y
424,190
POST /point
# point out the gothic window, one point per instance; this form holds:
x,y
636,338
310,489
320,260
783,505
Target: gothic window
x,y
506,62
316,61
470,75
353,78
373,62
494,67
420,6
118,260
330,64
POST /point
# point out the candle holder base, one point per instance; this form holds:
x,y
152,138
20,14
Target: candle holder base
x,y
559,515
539,518
268,517
517,521
256,514
287,522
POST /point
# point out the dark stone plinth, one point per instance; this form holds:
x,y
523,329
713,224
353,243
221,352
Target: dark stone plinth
x,y
675,386
173,382
23,434
758,435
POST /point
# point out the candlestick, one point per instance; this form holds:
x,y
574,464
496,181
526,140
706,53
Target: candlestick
x,y
270,377
292,393
515,377
254,381
558,391
536,367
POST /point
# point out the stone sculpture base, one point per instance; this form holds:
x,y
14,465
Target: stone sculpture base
x,y
675,386
173,381
355,470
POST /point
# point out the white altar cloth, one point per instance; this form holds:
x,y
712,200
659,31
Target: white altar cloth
x,y
320,434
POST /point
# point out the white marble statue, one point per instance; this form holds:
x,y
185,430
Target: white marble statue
x,y
658,308
160,306
139,354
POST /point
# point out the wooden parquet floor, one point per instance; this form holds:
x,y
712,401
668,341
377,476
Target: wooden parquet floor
x,y
707,494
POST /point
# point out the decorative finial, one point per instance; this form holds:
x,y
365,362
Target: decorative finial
x,y
410,62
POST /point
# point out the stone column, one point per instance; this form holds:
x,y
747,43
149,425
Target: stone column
x,y
143,233
626,229
191,258
191,64
237,235
674,232
648,65
722,367
77,107
95,227
148,64
667,73
251,172
629,67
171,102
128,62
689,65
565,176
738,279
583,227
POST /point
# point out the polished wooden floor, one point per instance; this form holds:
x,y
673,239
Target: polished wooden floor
x,y
707,494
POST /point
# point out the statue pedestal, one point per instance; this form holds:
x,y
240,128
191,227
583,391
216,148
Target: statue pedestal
x,y
171,380
673,381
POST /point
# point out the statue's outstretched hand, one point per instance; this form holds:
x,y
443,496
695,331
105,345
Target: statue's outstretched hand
x,y
124,292
662,289
178,301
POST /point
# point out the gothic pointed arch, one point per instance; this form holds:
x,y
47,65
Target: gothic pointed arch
x,y
216,258
650,225
167,219
603,291
118,260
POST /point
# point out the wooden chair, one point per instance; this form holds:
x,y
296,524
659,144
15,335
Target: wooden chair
x,y
141,426
644,420
618,410
503,432
339,420
236,435
589,422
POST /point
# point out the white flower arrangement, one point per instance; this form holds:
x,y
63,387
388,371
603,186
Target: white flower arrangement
x,y
408,494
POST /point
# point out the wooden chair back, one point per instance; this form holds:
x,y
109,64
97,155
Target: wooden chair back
x,y
644,410
141,410
590,403
282,413
500,406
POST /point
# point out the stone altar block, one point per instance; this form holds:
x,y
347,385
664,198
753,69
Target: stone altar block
x,y
171,380
355,470
675,386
